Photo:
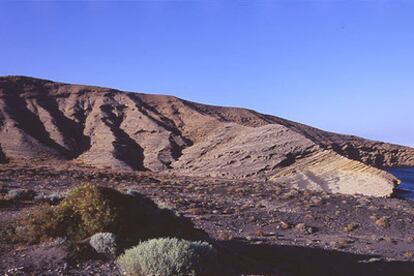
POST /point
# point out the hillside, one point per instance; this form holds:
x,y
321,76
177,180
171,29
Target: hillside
x,y
48,122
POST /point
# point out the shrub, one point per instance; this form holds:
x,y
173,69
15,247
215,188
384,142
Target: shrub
x,y
40,224
90,209
86,210
168,256
105,243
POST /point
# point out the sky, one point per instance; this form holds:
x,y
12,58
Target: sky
x,y
343,66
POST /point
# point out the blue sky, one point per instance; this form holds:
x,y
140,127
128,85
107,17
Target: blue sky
x,y
344,66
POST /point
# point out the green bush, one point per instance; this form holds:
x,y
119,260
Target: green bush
x,y
89,209
168,256
86,210
40,224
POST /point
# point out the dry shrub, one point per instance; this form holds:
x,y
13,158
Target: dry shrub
x,y
163,257
40,224
89,209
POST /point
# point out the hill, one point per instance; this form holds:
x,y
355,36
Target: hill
x,y
48,122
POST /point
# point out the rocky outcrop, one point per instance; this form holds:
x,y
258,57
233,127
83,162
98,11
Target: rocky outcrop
x,y
374,153
105,128
238,151
328,171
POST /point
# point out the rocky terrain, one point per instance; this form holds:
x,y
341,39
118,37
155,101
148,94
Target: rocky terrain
x,y
274,197
45,122
262,228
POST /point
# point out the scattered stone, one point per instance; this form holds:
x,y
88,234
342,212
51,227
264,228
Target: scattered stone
x,y
52,198
20,194
370,260
224,236
307,193
351,227
309,217
383,222
196,211
105,243
374,237
387,239
338,244
362,201
301,227
284,225
270,234
373,217
259,233
408,254
132,192
315,201
289,195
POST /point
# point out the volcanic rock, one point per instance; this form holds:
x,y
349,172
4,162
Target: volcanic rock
x,y
45,121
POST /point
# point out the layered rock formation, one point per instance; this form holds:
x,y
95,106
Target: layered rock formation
x,y
106,128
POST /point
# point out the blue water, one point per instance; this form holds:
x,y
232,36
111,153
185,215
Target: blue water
x,y
406,188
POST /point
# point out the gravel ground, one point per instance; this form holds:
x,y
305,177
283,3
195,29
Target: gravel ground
x,y
263,228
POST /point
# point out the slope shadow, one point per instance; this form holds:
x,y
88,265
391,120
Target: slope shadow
x,y
28,121
164,122
161,222
252,259
126,148
72,131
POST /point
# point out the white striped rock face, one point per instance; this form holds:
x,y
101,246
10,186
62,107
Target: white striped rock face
x,y
105,128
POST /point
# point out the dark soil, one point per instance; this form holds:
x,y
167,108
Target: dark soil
x,y
260,228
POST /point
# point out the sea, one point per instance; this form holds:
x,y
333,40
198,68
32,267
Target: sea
x,y
406,188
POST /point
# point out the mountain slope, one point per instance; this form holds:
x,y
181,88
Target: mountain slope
x,y
106,128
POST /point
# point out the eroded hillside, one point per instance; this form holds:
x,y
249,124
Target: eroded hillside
x,y
105,128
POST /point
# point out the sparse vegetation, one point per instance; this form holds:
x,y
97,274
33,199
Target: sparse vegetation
x,y
168,257
40,224
89,209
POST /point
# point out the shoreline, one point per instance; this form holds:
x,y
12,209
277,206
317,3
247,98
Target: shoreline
x,y
405,189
